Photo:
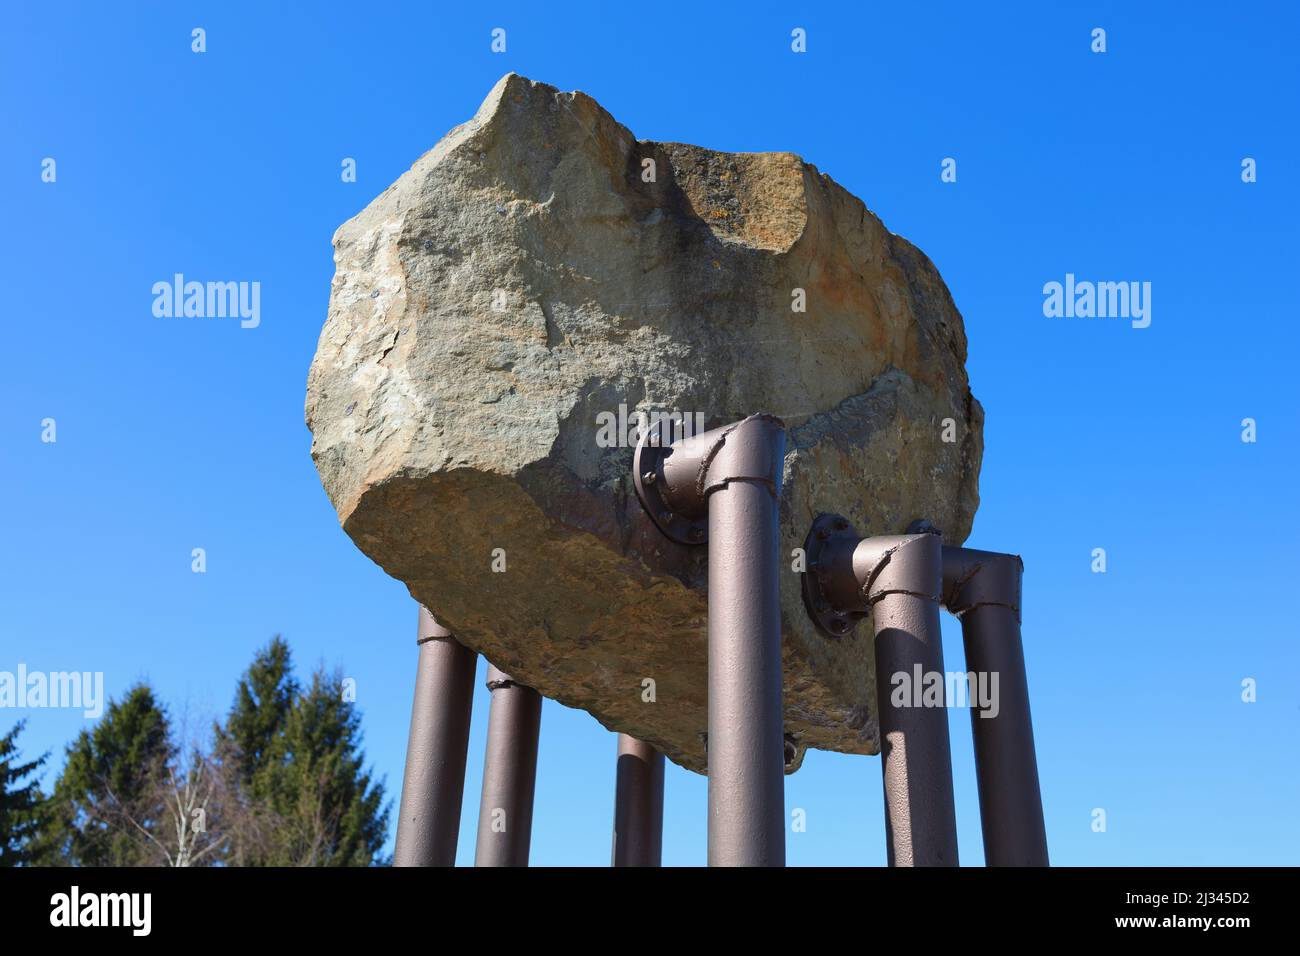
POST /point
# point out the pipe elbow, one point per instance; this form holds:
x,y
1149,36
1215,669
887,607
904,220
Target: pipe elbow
x,y
673,479
974,579
899,564
752,449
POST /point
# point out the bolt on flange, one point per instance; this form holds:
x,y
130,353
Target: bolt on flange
x,y
830,591
652,449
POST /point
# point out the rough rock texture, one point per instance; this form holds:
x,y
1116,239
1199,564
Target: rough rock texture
x,y
522,279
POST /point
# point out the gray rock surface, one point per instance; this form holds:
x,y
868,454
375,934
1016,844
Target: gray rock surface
x,y
492,310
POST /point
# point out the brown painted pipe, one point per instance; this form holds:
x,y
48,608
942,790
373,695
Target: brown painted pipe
x,y
746,743
638,804
505,816
725,486
902,578
433,786
983,589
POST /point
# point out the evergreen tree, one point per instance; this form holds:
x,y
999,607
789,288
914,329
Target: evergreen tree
x,y
263,700
334,812
110,793
21,804
291,761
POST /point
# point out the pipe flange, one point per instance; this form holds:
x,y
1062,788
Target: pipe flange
x,y
648,477
827,530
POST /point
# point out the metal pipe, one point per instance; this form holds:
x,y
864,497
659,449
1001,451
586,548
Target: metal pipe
x,y
897,581
732,477
902,579
433,786
746,741
505,816
638,804
983,589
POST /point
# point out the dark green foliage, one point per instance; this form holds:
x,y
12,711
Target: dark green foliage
x,y
262,704
21,804
284,784
112,787
304,797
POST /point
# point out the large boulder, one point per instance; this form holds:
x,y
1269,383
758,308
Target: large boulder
x,y
502,313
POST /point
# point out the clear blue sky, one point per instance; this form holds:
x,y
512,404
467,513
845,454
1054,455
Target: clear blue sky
x,y
176,434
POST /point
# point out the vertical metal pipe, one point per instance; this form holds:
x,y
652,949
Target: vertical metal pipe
x,y
725,486
428,818
1011,805
505,816
638,804
905,576
746,743
984,592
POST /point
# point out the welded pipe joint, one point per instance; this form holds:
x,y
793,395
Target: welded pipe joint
x,y
887,565
497,678
973,579
846,574
428,628
674,479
